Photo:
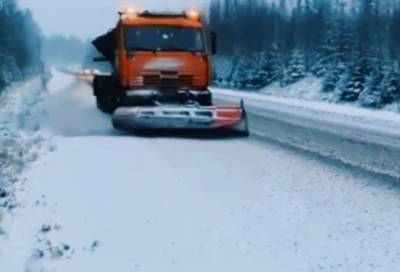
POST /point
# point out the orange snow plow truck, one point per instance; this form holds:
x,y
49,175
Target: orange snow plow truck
x,y
161,73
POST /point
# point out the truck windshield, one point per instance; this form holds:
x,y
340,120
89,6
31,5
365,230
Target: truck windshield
x,y
164,38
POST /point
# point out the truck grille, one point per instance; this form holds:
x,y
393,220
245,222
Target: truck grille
x,y
164,80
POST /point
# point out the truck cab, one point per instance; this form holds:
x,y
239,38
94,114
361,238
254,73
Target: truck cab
x,y
156,58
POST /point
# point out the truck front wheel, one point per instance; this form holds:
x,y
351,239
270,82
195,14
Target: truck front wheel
x,y
107,104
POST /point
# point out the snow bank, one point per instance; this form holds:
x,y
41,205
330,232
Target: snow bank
x,y
20,139
378,119
310,89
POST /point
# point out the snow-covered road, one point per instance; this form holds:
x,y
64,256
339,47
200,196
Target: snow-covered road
x,y
102,201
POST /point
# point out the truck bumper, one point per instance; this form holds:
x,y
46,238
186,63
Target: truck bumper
x,y
180,118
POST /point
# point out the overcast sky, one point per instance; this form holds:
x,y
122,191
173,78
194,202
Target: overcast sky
x,y
90,18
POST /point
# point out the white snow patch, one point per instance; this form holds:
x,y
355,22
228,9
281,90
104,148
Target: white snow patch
x,y
308,88
21,141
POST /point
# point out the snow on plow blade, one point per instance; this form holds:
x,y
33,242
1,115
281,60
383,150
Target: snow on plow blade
x,y
181,118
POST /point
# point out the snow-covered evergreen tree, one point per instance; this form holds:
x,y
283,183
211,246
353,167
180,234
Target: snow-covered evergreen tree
x,y
256,71
327,52
261,73
296,69
276,63
390,83
347,45
9,72
341,86
19,44
271,68
285,77
243,73
371,95
358,73
330,79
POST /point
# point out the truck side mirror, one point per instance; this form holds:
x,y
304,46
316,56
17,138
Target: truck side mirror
x,y
214,43
99,59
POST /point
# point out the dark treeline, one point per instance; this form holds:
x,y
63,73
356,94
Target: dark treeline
x,y
20,44
59,49
354,46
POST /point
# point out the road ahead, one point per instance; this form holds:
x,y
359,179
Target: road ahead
x,y
102,201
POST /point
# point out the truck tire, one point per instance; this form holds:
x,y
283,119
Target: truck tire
x,y
106,91
107,104
105,85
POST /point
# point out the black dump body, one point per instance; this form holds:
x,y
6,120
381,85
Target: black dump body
x,y
106,45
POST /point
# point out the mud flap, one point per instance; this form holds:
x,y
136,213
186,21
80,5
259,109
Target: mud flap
x,y
243,126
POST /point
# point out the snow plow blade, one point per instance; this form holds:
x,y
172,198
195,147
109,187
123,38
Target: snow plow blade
x,y
181,118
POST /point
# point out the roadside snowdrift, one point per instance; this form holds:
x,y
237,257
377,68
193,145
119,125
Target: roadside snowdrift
x,y
385,120
20,138
310,89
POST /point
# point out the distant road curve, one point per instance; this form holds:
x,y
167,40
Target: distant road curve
x,y
356,140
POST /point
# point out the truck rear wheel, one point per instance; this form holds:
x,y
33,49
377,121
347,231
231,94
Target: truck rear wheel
x,y
107,104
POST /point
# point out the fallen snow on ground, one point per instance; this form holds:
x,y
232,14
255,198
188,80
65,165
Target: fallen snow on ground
x,y
20,139
308,88
107,202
